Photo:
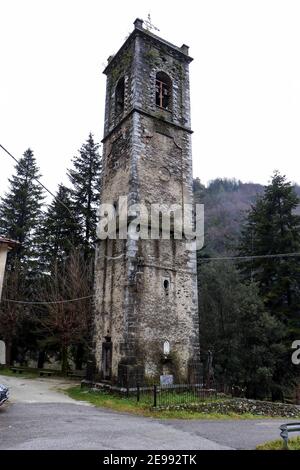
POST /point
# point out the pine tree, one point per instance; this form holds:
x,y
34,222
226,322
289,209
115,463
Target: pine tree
x,y
20,218
85,179
273,228
60,230
20,210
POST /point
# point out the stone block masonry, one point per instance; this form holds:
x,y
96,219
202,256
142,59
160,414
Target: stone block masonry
x,y
146,290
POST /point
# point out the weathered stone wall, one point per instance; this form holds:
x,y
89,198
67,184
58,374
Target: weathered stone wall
x,y
147,156
239,406
109,299
139,60
117,163
167,308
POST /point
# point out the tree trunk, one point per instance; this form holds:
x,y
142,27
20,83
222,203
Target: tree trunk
x,y
277,395
41,359
8,353
298,395
79,356
64,359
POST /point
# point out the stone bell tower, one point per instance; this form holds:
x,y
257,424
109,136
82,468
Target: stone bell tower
x,y
146,316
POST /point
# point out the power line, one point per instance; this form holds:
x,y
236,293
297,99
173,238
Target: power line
x,y
39,182
250,257
23,302
46,302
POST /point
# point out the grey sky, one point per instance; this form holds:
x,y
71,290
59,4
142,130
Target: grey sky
x,y
245,80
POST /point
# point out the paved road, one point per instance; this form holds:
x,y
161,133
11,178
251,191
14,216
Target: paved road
x,y
39,416
40,390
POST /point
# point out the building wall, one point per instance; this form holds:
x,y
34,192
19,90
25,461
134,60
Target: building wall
x,y
3,255
110,280
147,157
167,313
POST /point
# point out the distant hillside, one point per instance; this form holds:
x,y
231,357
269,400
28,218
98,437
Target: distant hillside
x,y
226,203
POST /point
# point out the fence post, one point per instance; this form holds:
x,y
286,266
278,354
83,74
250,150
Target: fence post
x,y
285,436
154,395
138,392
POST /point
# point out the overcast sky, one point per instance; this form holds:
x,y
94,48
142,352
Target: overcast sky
x,y
245,80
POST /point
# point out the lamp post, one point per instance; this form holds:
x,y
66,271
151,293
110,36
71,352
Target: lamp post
x,y
5,246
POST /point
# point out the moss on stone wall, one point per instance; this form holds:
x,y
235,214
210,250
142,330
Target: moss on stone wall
x,y
123,65
152,56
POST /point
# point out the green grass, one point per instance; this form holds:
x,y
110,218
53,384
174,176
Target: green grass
x,y
294,444
143,408
32,374
29,373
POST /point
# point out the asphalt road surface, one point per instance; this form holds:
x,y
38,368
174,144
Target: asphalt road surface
x,y
40,416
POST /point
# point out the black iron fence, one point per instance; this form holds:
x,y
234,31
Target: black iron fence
x,y
170,395
155,395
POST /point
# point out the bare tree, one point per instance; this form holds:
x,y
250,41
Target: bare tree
x,y
11,313
66,320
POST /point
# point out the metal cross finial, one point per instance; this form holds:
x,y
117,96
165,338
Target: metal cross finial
x,y
149,24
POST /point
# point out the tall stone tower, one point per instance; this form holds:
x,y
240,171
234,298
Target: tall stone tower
x,y
146,315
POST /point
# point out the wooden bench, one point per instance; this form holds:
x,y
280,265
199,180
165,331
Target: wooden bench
x,y
46,373
76,374
17,370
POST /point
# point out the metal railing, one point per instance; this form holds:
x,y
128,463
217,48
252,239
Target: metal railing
x,y
154,394
167,395
170,395
285,429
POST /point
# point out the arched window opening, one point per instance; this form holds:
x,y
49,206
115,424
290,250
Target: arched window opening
x,y
163,90
166,286
120,96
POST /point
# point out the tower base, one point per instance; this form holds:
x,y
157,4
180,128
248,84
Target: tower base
x,y
129,375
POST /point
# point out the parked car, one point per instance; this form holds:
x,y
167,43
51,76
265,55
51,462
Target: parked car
x,y
3,394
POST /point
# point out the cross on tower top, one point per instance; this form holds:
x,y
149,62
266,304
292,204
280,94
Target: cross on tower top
x,y
149,25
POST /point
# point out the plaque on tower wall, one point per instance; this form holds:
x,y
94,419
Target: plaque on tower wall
x,y
166,380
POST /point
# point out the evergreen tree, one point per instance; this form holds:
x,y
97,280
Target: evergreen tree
x,y
85,179
243,339
60,230
273,228
20,218
20,210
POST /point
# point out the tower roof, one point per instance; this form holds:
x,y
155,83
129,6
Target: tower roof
x,y
182,51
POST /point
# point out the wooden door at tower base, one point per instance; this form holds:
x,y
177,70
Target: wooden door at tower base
x,y
106,360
